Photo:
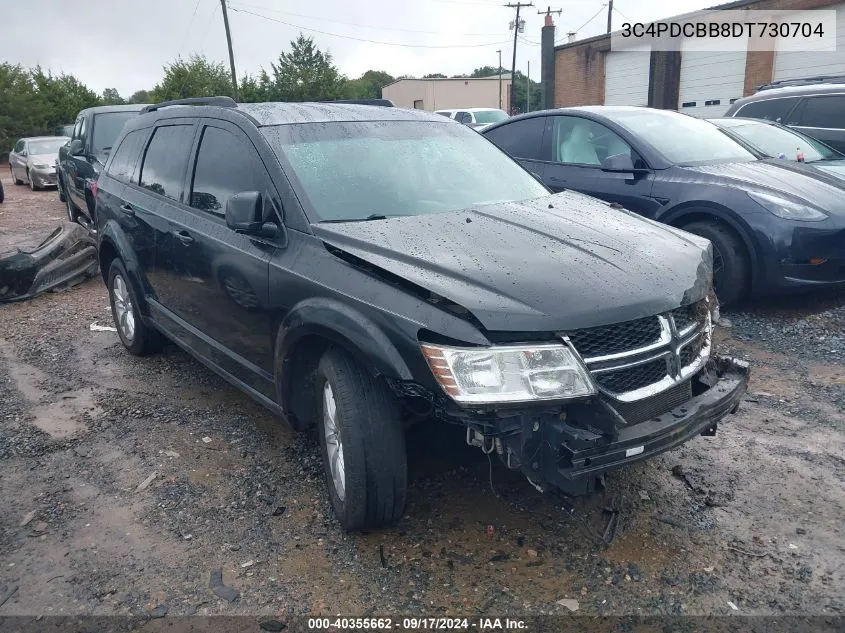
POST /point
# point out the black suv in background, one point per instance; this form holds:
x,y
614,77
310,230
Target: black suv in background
x,y
814,106
82,158
360,269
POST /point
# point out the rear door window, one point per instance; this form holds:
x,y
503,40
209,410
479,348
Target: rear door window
x,y
225,165
126,157
520,139
823,112
166,159
768,109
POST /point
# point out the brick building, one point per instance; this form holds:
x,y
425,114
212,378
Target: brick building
x,y
701,83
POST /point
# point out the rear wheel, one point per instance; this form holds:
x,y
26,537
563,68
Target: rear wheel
x,y
363,443
136,337
731,268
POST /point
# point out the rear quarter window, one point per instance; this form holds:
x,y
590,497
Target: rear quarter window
x,y
768,109
122,166
823,112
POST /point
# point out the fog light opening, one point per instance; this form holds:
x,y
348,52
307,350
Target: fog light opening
x,y
818,261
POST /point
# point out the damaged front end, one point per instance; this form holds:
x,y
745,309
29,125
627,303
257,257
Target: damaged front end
x,y
656,386
66,257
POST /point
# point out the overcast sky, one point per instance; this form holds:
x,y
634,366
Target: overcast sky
x,y
123,44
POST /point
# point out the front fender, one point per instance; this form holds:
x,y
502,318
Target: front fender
x,y
344,326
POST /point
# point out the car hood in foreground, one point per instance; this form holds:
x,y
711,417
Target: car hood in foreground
x,y
793,179
527,267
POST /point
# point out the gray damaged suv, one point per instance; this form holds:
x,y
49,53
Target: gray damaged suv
x,y
362,269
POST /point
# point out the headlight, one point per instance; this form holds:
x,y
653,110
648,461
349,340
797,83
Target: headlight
x,y
41,165
787,209
509,373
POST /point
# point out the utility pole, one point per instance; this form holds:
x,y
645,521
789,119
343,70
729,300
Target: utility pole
x,y
231,54
609,15
528,88
516,6
500,78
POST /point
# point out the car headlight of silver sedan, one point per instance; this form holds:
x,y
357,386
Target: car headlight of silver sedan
x,y
509,373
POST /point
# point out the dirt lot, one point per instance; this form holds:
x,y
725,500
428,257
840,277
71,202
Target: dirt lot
x,y
747,522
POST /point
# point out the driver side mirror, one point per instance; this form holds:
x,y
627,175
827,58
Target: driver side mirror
x,y
245,212
618,162
76,147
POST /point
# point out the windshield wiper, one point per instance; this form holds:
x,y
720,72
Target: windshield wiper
x,y
374,216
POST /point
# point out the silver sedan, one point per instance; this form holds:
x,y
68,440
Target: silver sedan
x,y
33,160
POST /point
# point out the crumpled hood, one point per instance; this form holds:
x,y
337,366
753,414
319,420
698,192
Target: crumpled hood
x,y
523,266
795,180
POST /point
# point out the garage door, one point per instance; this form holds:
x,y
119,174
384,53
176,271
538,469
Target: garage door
x,y
793,64
626,77
709,81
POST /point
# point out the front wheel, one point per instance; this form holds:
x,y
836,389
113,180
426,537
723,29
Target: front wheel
x,y
31,182
135,335
363,443
15,179
731,269
60,190
71,212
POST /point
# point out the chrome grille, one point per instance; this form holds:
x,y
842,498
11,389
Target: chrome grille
x,y
637,360
631,378
612,339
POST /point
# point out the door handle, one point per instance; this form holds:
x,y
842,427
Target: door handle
x,y
128,209
184,237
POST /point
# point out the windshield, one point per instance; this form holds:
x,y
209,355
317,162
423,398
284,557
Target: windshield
x,y
358,170
50,146
107,127
490,116
682,139
778,142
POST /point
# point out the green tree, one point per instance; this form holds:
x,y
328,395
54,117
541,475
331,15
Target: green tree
x,y
305,74
254,89
62,96
520,91
435,76
197,77
112,97
368,85
141,96
485,71
21,112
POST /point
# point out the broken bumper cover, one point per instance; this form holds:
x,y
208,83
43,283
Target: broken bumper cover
x,y
572,459
67,256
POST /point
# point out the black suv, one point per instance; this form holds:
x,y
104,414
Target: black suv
x,y
82,158
814,106
361,269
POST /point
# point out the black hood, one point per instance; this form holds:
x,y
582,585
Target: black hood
x,y
793,180
531,268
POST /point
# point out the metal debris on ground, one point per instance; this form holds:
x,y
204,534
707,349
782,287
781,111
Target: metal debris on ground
x,y
220,590
96,327
146,483
733,606
569,603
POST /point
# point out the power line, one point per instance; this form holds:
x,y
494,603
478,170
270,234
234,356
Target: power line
x,y
622,14
597,14
361,39
208,24
190,24
363,26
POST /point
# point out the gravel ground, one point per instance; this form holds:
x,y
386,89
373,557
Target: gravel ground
x,y
127,482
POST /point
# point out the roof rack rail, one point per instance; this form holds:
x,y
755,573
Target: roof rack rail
x,y
387,103
803,81
223,102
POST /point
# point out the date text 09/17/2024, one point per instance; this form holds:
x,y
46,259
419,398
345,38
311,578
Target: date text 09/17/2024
x,y
415,624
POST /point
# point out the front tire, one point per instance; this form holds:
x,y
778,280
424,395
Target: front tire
x,y
136,337
363,443
60,190
71,212
15,179
31,182
731,268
